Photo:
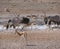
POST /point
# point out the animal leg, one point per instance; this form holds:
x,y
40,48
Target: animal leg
x,y
7,26
13,26
50,25
23,27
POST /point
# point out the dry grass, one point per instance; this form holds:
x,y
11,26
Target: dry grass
x,y
41,39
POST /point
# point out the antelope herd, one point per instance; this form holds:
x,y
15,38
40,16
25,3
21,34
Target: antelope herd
x,y
30,20
16,21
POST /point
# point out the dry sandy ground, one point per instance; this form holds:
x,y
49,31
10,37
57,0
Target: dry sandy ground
x,y
39,39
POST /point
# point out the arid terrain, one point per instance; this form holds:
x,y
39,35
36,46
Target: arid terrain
x,y
32,39
40,39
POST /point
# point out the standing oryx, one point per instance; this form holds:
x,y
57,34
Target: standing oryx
x,y
16,21
55,19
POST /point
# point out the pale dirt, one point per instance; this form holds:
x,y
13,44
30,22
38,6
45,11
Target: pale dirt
x,y
40,39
